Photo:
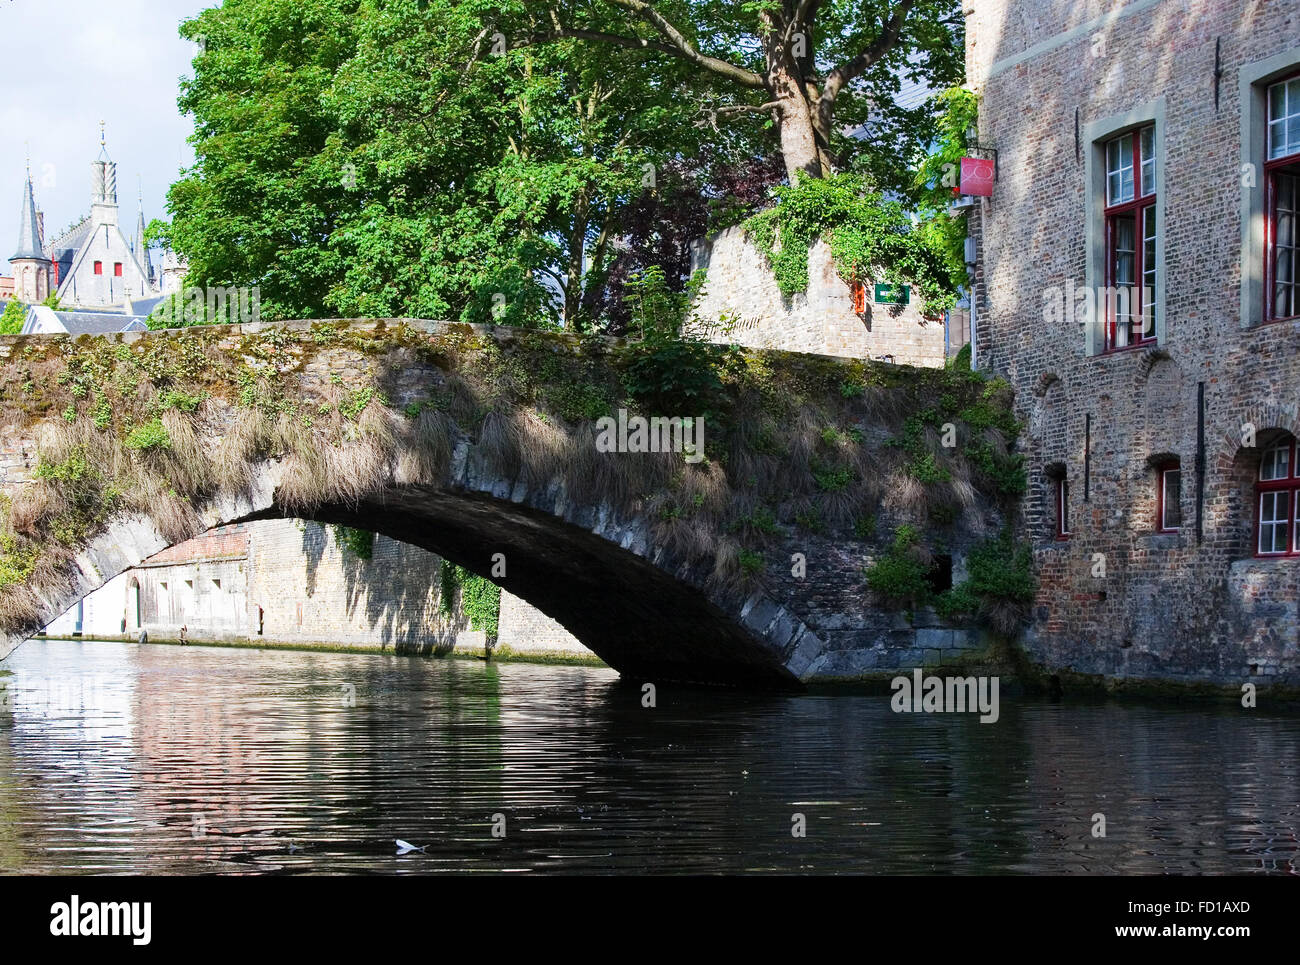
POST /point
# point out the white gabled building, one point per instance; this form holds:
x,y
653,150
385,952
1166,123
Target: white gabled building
x,y
104,282
96,266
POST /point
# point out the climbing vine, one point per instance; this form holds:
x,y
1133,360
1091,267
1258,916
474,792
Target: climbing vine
x,y
359,542
480,598
870,236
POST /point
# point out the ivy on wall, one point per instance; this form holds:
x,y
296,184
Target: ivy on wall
x,y
480,598
359,542
870,237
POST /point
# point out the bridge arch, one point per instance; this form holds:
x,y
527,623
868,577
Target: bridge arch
x,y
472,442
604,577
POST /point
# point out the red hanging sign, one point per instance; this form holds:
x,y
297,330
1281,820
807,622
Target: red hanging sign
x,y
977,176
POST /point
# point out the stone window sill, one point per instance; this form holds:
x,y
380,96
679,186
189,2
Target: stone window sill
x,y
1165,541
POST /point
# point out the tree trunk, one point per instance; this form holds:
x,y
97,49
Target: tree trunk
x,y
795,122
798,141
573,276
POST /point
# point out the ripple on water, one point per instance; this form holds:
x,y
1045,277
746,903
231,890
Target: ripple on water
x,y
118,758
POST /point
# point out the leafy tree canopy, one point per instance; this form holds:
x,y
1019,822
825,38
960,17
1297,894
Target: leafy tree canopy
x,y
517,161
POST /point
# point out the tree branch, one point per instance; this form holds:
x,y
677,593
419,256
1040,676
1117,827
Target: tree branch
x,y
804,12
567,33
711,115
841,75
686,51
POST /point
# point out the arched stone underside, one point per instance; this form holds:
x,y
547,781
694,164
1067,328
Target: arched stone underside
x,y
598,575
740,564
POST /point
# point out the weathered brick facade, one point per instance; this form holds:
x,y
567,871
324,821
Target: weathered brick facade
x,y
1056,78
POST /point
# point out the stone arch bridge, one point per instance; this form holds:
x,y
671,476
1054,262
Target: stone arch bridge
x,y
478,444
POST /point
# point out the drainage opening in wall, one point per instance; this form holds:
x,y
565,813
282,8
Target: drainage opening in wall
x,y
940,575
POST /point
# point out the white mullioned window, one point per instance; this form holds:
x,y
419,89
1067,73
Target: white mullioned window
x,y
1278,498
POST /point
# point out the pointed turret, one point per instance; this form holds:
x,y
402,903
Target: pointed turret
x,y
30,266
29,228
142,250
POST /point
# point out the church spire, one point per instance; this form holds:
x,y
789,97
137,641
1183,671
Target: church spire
x,y
141,250
103,175
29,231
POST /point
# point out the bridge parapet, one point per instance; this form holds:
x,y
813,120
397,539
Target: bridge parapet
x,y
518,455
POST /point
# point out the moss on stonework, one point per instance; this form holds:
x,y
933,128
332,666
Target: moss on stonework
x,y
793,443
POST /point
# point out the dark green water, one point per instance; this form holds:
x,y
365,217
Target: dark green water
x,y
116,758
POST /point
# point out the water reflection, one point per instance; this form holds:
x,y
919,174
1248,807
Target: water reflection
x,y
118,758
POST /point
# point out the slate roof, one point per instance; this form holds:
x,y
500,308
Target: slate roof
x,y
29,232
73,238
90,323
143,306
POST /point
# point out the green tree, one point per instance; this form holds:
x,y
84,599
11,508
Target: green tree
x,y
11,322
350,160
260,204
477,160
815,69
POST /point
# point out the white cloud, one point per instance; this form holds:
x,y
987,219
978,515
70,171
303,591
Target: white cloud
x,y
68,65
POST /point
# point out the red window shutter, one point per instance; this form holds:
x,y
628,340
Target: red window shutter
x,y
117,269
859,297
99,268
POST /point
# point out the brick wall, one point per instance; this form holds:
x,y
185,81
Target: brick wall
x,y
526,629
1166,605
311,589
222,542
17,460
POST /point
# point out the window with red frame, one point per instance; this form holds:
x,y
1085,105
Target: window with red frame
x,y
117,269
1282,177
1131,238
1062,509
99,268
1169,511
1277,492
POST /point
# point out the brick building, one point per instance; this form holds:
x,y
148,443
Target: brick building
x,y
1136,282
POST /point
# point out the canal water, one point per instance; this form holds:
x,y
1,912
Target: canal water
x,y
117,758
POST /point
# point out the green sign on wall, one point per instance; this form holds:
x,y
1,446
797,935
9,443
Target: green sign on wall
x,y
887,294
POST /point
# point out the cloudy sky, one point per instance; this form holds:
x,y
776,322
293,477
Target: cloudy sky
x,y
67,65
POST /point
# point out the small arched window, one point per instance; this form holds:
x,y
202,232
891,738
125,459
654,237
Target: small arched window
x,y
1060,488
1277,490
1169,496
